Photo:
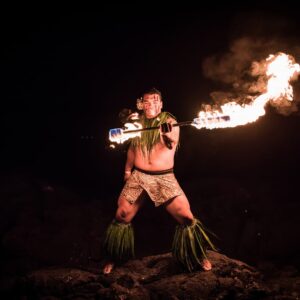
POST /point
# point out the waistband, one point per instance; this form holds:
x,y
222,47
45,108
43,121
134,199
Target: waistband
x,y
160,172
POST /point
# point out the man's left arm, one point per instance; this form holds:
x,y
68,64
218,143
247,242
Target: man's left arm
x,y
129,162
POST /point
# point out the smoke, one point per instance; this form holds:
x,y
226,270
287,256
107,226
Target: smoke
x,y
243,68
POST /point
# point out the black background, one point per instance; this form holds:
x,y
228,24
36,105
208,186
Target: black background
x,y
66,76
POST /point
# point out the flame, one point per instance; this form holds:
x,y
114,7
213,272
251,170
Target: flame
x,y
119,135
280,70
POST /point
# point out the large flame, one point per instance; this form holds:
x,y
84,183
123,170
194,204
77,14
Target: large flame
x,y
281,69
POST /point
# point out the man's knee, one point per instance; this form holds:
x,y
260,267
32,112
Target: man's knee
x,y
186,217
121,215
183,211
124,214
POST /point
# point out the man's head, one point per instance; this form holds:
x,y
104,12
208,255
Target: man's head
x,y
151,103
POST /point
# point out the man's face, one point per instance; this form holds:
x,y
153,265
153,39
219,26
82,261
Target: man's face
x,y
152,105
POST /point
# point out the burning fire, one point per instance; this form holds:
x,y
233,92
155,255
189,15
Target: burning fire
x,y
118,135
280,70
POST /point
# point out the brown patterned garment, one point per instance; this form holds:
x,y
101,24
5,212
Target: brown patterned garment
x,y
159,187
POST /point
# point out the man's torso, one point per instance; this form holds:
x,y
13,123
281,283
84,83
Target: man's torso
x,y
160,158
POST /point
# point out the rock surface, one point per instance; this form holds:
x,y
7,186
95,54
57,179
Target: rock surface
x,y
153,277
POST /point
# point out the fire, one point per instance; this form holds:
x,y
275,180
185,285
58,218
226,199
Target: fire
x,y
281,69
118,135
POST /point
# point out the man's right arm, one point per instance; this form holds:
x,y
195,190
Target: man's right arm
x,y
129,162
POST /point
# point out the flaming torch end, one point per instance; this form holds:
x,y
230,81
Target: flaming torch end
x,y
120,135
115,135
210,121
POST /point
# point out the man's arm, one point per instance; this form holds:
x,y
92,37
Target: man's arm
x,y
129,162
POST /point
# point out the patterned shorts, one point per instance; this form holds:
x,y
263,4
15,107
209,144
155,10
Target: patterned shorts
x,y
159,187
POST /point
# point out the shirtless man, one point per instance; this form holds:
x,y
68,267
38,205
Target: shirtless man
x,y
149,168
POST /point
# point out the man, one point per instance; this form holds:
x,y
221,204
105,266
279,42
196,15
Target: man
x,y
149,168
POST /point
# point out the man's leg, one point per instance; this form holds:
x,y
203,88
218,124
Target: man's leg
x,y
179,208
125,213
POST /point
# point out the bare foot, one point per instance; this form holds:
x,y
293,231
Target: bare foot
x,y
206,265
108,268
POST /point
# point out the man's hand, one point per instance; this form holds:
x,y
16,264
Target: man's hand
x,y
165,127
127,174
165,130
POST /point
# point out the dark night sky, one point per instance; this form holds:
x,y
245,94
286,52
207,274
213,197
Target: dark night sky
x,y
65,77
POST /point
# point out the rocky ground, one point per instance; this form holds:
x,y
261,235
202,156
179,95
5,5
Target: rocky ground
x,y
158,277
51,236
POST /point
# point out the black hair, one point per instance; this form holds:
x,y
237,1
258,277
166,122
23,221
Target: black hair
x,y
152,91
